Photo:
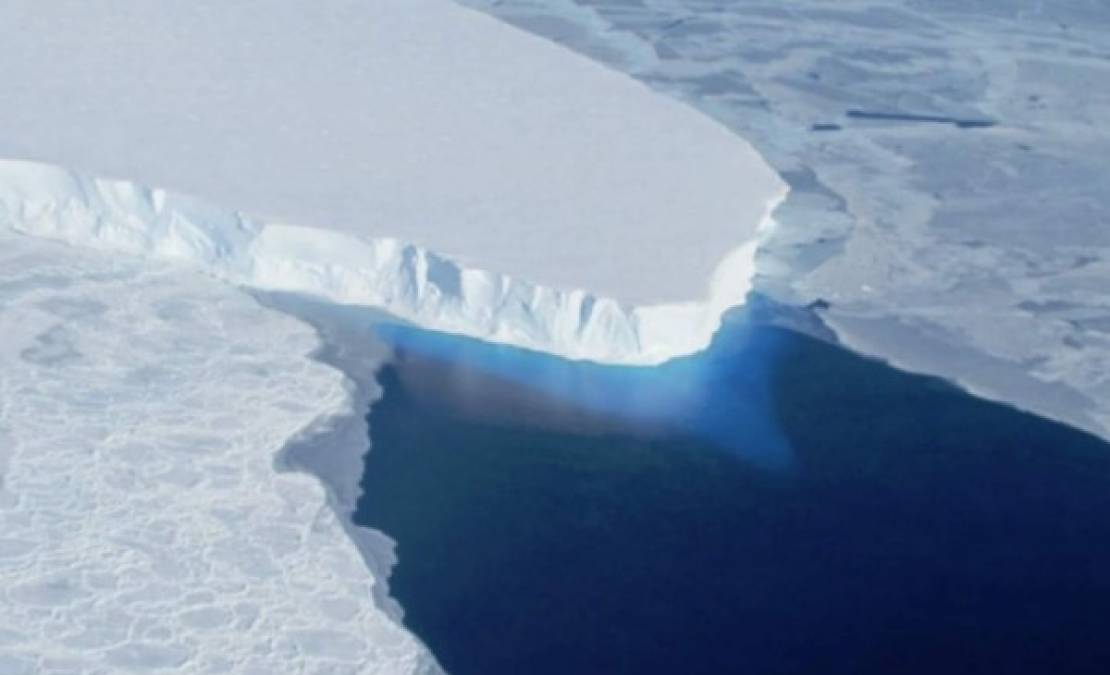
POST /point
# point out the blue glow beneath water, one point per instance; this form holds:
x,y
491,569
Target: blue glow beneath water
x,y
776,505
714,396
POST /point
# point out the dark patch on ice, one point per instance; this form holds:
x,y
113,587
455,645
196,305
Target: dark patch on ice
x,y
72,308
33,283
52,348
445,276
962,123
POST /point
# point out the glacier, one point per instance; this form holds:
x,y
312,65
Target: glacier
x,y
177,453
405,280
470,177
419,120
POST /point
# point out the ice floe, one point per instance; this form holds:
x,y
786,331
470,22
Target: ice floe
x,y
143,526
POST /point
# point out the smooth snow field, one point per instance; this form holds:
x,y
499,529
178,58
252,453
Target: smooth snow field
x,y
207,206
414,119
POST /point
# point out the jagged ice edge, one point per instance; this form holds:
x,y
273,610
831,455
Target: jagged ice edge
x,y
403,279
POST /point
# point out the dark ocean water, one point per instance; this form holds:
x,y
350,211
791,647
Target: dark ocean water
x,y
775,505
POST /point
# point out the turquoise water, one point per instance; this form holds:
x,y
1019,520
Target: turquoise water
x,y
775,505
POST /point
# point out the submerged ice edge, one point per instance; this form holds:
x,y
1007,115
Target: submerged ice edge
x,y
406,280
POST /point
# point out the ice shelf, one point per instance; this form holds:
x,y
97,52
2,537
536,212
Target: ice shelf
x,y
977,249
440,165
408,281
549,201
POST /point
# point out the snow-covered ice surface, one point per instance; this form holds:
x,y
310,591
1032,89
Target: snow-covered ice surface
x,y
143,523
409,282
978,253
415,119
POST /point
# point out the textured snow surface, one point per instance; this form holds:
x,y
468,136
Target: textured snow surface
x,y
405,280
143,526
979,254
415,119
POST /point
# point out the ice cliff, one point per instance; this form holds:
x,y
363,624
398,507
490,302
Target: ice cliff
x,y
528,170
405,280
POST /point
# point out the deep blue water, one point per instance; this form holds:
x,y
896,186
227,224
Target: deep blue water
x,y
776,505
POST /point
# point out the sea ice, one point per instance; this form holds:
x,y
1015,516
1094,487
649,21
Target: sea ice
x,y
142,523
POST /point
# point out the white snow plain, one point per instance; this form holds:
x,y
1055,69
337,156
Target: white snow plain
x,y
143,526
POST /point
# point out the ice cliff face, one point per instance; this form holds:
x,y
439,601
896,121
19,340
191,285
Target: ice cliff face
x,y
405,280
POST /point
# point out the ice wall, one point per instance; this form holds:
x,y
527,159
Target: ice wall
x,y
408,281
415,119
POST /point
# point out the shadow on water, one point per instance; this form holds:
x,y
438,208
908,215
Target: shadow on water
x,y
776,505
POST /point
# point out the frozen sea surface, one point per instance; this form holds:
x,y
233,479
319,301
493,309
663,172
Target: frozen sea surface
x,y
979,253
145,522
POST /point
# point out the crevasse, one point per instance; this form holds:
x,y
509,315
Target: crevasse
x,y
407,281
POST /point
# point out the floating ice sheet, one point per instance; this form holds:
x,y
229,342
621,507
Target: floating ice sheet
x,y
414,119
